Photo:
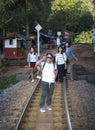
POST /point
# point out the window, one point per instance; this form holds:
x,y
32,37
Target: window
x,y
11,42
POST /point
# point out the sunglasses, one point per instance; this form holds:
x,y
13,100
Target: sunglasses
x,y
49,57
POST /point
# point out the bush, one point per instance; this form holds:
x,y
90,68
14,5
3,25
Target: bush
x,y
6,82
84,37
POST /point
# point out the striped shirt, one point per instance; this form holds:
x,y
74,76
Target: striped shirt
x,y
60,58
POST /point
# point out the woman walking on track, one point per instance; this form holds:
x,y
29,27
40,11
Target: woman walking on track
x,y
60,59
32,59
49,72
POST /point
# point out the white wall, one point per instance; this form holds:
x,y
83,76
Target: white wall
x,y
7,43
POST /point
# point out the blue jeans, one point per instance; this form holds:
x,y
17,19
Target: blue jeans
x,y
47,92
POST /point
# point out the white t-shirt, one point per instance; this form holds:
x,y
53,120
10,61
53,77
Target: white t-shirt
x,y
32,57
48,74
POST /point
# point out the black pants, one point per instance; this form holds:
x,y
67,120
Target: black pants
x,y
60,72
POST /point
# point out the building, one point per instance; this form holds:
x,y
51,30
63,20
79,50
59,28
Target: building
x,y
14,46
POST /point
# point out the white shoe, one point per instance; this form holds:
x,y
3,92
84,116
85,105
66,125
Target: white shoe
x,y
49,108
42,110
38,77
32,80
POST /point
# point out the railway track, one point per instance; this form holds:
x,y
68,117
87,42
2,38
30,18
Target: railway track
x,y
80,110
58,119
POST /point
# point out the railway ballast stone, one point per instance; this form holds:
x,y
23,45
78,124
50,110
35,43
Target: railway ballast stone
x,y
78,72
23,75
91,78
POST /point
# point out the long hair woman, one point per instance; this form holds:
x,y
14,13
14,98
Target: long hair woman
x,y
61,63
32,59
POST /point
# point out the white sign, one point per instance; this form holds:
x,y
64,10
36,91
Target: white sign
x,y
59,33
38,27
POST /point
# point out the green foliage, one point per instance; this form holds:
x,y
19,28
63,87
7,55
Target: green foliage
x,y
72,13
57,15
2,69
6,82
84,37
85,20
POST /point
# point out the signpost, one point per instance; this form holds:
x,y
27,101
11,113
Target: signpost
x,y
38,28
58,38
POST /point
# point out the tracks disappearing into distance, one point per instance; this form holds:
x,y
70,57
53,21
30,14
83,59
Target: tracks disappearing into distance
x,y
58,119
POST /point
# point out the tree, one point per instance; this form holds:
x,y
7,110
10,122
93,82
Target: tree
x,y
51,14
70,12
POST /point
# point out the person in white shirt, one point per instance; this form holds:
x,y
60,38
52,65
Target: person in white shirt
x,y
49,72
60,59
32,58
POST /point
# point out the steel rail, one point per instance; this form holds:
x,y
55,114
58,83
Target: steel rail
x,y
26,104
29,98
66,105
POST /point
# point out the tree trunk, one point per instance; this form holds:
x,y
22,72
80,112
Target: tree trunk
x,y
27,21
0,62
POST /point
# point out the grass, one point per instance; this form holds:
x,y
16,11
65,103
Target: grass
x,y
7,81
3,69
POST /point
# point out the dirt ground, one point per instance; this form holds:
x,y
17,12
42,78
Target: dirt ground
x,y
84,53
12,68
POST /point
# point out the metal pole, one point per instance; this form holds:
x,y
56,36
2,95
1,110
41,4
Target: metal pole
x,y
58,38
38,28
38,43
66,106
